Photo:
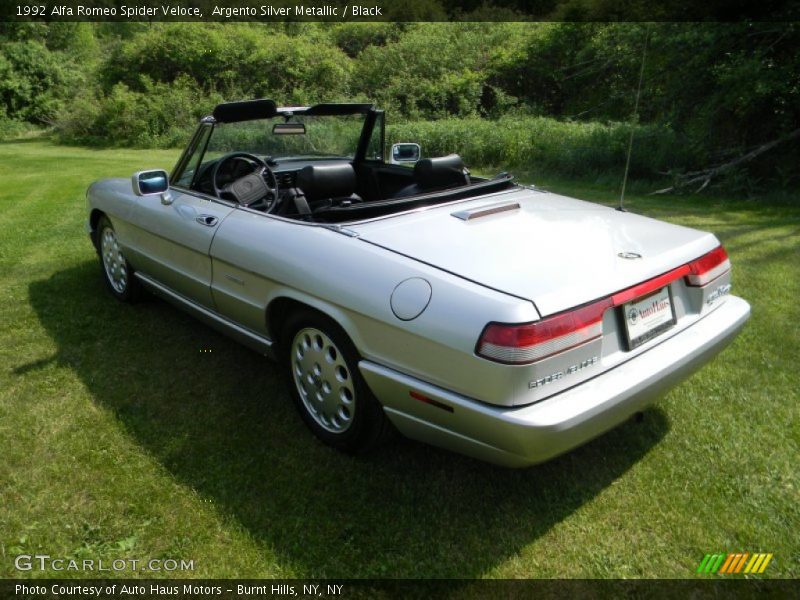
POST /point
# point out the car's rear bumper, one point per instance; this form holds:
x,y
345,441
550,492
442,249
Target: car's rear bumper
x,y
530,434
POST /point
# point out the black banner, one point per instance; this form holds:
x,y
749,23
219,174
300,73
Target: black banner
x,y
393,10
345,589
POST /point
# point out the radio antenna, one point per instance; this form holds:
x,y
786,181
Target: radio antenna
x,y
634,121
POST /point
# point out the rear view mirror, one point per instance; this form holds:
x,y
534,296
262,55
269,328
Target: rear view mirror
x,y
405,153
155,181
289,129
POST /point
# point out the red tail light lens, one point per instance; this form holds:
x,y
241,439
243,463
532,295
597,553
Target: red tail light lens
x,y
519,344
529,342
708,267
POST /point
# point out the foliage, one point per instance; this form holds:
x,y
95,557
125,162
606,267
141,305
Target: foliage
x,y
237,60
161,115
544,144
726,87
33,81
12,129
718,89
353,38
438,70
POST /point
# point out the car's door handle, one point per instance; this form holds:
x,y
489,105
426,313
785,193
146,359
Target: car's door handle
x,y
207,220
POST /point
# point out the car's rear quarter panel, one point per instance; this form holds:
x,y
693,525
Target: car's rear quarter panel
x,y
352,282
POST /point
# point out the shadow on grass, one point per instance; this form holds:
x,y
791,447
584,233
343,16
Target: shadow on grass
x,y
219,419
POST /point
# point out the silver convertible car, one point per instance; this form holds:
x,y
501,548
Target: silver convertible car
x,y
493,319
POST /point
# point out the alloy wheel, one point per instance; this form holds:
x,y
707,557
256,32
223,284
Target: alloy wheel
x,y
113,260
323,380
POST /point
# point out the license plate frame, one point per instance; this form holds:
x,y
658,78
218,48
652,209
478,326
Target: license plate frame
x,y
641,327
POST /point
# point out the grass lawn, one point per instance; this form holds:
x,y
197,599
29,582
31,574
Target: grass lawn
x,y
136,432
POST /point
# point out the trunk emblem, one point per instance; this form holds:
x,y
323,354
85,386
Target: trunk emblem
x,y
629,255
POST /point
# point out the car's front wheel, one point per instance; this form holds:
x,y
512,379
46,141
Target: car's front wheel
x,y
117,272
331,395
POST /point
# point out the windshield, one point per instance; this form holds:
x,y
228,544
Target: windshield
x,y
325,136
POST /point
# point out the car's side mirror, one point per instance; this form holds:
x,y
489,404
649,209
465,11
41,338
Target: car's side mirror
x,y
154,181
405,153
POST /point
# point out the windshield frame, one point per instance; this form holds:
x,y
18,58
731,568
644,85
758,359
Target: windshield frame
x,y
371,118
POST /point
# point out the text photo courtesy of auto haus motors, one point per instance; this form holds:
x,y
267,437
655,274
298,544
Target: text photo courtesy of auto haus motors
x,y
287,301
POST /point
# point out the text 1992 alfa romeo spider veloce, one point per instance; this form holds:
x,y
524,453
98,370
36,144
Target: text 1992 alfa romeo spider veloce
x,y
496,320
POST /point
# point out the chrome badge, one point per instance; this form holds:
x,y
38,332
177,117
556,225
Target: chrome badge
x,y
629,255
561,374
718,293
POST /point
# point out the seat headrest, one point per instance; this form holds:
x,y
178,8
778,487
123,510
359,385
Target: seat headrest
x,y
442,171
327,181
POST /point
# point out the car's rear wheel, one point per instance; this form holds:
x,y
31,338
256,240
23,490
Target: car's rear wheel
x,y
333,399
117,272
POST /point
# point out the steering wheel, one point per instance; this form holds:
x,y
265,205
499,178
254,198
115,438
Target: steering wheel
x,y
259,189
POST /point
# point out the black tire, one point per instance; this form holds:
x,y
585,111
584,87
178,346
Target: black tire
x,y
320,379
118,274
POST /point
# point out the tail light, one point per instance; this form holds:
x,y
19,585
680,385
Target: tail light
x,y
708,267
529,342
519,344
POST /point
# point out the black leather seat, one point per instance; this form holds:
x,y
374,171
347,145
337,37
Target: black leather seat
x,y
439,173
328,185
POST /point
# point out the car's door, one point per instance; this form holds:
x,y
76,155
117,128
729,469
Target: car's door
x,y
171,241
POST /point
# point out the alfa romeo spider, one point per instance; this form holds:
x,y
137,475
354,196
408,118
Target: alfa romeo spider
x,y
490,318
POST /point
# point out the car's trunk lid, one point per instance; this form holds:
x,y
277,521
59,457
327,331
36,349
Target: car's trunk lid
x,y
555,251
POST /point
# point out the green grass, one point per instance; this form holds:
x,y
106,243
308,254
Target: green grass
x,y
120,438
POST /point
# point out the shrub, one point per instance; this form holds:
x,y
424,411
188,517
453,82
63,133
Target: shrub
x,y
546,144
238,60
353,38
437,70
33,81
160,116
11,129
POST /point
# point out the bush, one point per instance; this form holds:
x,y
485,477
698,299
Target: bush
x,y
161,116
11,129
353,38
545,144
33,81
710,92
238,60
438,70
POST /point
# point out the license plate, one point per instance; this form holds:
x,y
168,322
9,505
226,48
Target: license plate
x,y
648,317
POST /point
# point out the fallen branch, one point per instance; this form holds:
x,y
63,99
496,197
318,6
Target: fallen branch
x,y
704,177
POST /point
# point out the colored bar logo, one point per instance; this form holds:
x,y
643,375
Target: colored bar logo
x,y
735,562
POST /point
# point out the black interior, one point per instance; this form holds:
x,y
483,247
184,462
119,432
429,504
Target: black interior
x,y
338,191
323,189
439,173
334,182
376,208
